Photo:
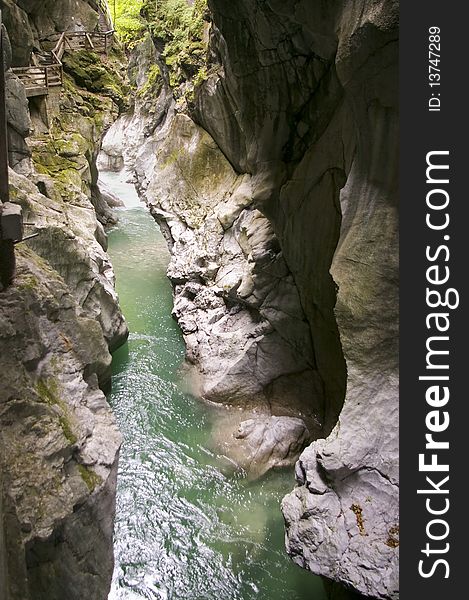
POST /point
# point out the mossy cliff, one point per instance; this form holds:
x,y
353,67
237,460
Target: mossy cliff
x,y
59,442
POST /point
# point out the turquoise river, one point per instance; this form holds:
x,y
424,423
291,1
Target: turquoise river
x,y
186,527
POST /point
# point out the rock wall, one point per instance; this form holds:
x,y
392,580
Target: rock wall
x,y
278,200
59,442
304,99
30,22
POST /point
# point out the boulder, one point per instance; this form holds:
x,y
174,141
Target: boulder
x,y
271,442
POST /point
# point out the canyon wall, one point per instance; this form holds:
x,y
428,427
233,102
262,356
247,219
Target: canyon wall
x,y
273,174
59,442
304,98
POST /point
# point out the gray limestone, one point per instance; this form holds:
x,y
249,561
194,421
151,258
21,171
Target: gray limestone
x,y
59,441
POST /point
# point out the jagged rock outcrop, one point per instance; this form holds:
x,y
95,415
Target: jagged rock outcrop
x,y
298,112
59,441
68,240
234,297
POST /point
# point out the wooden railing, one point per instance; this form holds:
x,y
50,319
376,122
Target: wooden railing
x,y
98,41
37,79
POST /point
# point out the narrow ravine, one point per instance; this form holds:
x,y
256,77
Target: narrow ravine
x,y
187,527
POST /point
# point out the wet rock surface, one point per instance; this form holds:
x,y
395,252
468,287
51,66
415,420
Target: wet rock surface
x,y
272,442
59,441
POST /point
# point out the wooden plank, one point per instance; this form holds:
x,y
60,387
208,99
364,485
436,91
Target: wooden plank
x,y
36,91
89,40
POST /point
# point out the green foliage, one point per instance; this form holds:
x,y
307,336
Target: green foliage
x,y
128,22
175,24
180,27
152,81
201,76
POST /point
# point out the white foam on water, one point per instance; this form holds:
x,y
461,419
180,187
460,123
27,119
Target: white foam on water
x,y
119,184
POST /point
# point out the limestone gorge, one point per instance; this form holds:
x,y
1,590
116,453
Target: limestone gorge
x,y
263,138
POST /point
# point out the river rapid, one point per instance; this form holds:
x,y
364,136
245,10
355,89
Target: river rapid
x,y
188,527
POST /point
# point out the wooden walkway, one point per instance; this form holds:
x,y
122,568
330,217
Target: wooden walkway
x,y
47,71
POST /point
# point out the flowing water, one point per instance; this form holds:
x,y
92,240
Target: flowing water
x,y
186,528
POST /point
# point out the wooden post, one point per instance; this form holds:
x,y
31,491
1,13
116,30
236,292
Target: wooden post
x,y
90,42
46,76
7,248
4,194
7,263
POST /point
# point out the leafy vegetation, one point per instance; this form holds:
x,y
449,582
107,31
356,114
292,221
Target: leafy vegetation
x,y
127,20
175,25
180,27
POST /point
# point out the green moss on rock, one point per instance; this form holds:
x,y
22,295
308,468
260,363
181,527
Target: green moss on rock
x,y
91,478
48,392
90,73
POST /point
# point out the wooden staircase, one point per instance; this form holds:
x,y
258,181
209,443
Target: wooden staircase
x,y
46,70
105,19
103,24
